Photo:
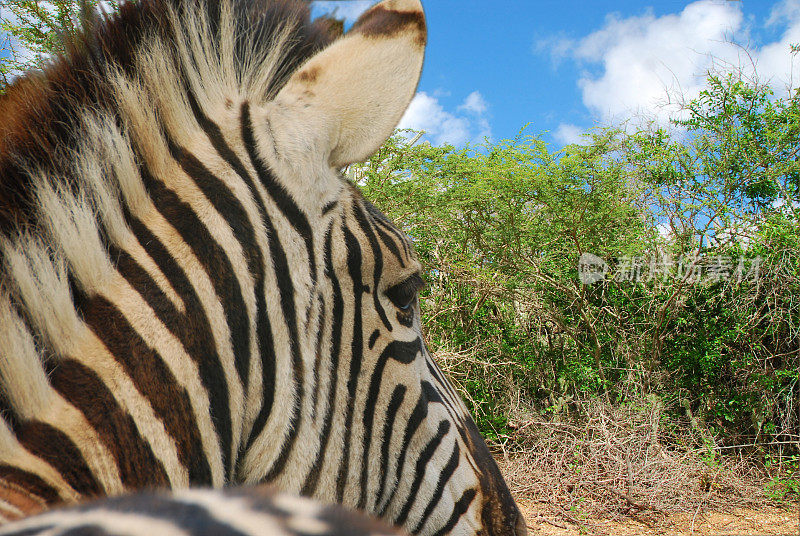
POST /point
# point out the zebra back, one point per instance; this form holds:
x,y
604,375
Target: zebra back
x,y
260,511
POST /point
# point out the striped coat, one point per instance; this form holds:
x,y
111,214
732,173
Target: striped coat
x,y
230,512
193,295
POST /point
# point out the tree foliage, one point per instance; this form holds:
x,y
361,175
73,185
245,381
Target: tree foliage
x,y
35,30
501,229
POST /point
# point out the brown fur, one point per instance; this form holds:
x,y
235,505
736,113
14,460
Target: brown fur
x,y
21,499
309,75
41,111
381,22
138,466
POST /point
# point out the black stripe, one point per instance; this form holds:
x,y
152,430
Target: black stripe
x,y
86,530
436,372
154,380
402,352
280,196
256,265
184,515
268,364
56,448
318,355
226,204
312,302
387,241
450,401
30,482
428,395
383,222
329,206
220,271
459,509
138,466
366,228
356,353
419,471
386,441
373,338
444,478
433,368
286,291
337,314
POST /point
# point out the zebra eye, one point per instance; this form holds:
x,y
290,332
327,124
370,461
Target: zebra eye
x,y
404,294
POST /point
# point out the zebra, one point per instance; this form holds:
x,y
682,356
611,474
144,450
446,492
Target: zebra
x,y
192,294
241,511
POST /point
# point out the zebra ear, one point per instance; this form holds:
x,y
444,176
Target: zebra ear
x,y
349,97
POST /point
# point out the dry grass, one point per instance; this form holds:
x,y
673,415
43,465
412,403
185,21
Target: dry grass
x,y
615,463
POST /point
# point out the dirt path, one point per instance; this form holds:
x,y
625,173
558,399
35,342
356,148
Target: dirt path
x,y
765,521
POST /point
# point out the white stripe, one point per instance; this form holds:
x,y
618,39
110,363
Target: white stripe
x,y
233,511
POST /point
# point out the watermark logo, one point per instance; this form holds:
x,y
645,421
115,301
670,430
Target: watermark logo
x,y
591,269
690,269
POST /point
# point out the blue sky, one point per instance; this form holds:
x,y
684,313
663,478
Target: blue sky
x,y
565,66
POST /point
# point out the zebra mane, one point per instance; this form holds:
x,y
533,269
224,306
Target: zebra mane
x,y
248,46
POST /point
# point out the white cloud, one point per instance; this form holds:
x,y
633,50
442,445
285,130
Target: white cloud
x,y
558,48
786,10
349,11
647,61
474,103
569,134
647,66
774,62
426,113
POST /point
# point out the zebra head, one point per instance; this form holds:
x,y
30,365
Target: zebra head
x,y
377,426
192,294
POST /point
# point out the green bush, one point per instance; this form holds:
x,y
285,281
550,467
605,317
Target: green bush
x,y
500,229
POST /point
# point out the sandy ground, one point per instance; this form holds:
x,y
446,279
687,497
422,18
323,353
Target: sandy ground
x,y
762,522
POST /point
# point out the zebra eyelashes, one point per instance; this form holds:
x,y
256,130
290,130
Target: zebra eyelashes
x,y
404,294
